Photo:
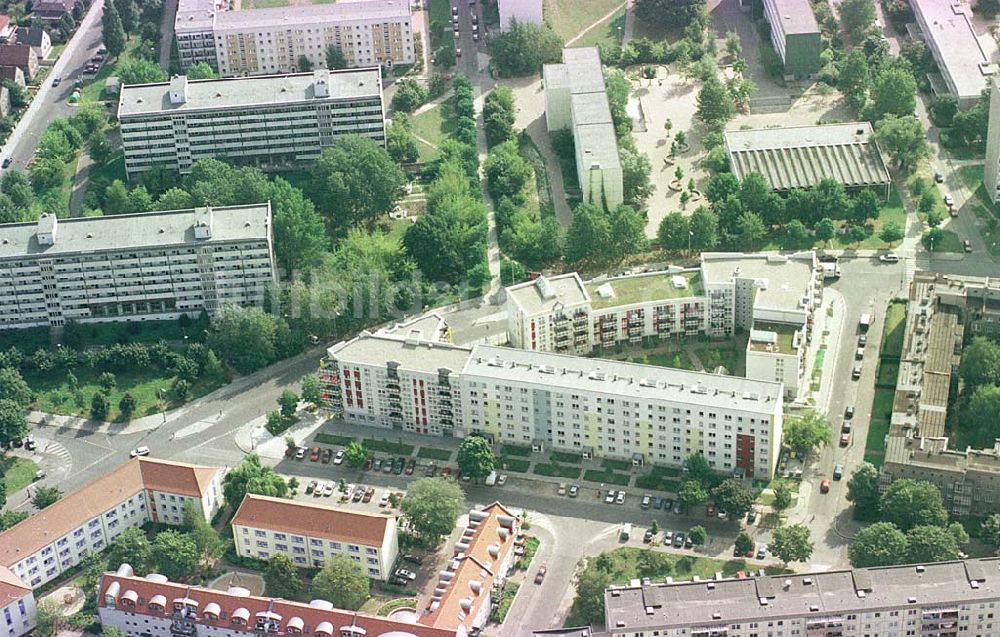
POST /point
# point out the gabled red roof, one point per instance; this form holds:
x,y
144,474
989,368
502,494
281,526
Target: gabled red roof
x,y
15,54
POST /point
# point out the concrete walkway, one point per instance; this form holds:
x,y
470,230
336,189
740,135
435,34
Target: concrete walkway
x,y
79,191
167,32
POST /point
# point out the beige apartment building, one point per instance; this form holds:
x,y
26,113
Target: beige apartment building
x,y
309,533
157,265
274,121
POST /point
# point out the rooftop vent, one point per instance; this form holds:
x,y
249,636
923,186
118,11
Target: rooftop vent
x,y
813,608
911,600
920,568
716,615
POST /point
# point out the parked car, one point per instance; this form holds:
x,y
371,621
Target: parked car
x,y
402,573
657,502
710,509
6,162
339,457
411,464
849,412
359,492
445,472
678,508
761,551
369,492
561,489
679,540
938,178
687,542
458,52
967,245
314,454
502,480
377,465
300,453
137,452
647,500
845,439
824,485
413,559
540,575
862,340
326,455
387,465
369,461
838,472
610,498
399,465
846,427
949,200
311,487
56,81
751,516
668,538
856,372
889,257
384,501
859,353
620,498
647,537
431,470
29,443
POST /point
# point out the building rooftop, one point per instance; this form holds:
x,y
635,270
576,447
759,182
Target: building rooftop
x,y
776,338
812,595
799,156
311,14
411,354
546,293
796,17
598,144
96,497
122,232
580,72
783,280
318,617
642,288
237,92
430,327
313,520
197,15
969,58
559,371
590,108
11,587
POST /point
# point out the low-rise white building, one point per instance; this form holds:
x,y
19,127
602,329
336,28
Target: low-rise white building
x,y
310,533
17,604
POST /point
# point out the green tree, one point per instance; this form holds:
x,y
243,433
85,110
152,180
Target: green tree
x,y
894,92
523,48
355,454
752,230
858,17
107,381
931,544
129,12
825,230
175,555
909,503
13,424
499,114
979,418
49,619
45,496
47,173
507,173
734,498
715,104
210,545
692,493
704,229
400,142
744,543
10,518
863,491
335,58
18,94
281,578
116,198
99,406
433,505
343,176
866,206
343,582
305,64
127,405
13,387
881,544
722,186
134,70
697,534
698,469
854,79
980,364
891,233
589,234
672,235
671,13
112,31
201,71
636,170
628,228
174,199
250,476
409,96
475,457
590,588
791,543
131,547
903,139
288,402
246,338
805,432
311,391
990,530
782,496
300,240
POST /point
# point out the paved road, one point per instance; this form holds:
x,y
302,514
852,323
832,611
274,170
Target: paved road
x,y
50,102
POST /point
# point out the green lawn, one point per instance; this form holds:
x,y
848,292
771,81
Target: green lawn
x,y
571,17
657,483
893,335
332,439
607,477
557,471
387,446
514,465
875,444
949,242
888,372
608,32
434,453
674,360
17,473
514,450
564,457
655,32
616,465
433,125
892,211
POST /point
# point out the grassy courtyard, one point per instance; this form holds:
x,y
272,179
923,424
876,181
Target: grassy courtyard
x,y
569,18
17,473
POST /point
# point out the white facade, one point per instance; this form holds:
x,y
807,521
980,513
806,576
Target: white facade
x,y
549,314
991,169
158,265
17,605
271,122
529,11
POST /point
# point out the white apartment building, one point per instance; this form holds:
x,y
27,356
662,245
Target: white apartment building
x,y
942,599
549,314
991,169
576,98
153,606
272,40
157,265
17,605
309,533
270,121
87,520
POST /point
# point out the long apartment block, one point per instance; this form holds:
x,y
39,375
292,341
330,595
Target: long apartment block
x,y
87,520
273,121
943,599
272,40
772,297
593,407
308,534
157,265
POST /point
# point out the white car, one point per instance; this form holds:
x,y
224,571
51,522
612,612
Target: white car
x,y
620,498
384,502
339,458
139,451
949,200
501,479
889,257
405,574
610,498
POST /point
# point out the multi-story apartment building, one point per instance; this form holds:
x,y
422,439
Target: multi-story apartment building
x,y
795,36
941,310
273,40
17,605
153,606
309,533
991,169
966,58
270,121
87,520
771,296
476,575
943,599
157,265
576,98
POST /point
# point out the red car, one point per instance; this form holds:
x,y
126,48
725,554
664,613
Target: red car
x,y
540,575
710,510
410,465
845,439
824,486
445,472
367,497
314,454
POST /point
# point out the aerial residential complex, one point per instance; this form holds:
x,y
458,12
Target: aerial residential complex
x,y
157,265
153,605
956,599
795,36
772,297
273,40
966,59
308,533
87,520
941,309
275,121
593,407
799,156
576,98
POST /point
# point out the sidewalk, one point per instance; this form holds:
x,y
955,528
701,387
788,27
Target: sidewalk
x,y
139,425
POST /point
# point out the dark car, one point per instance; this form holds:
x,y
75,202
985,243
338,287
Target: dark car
x,y
398,466
411,464
6,162
327,454
56,81
752,516
413,559
369,461
849,412
387,465
431,470
679,540
540,575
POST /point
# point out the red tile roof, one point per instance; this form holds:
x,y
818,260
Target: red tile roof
x,y
311,616
313,520
11,587
15,54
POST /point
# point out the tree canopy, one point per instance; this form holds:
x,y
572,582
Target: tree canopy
x,y
475,457
880,544
805,432
433,505
523,48
344,176
863,491
734,498
281,578
791,543
250,476
909,503
343,582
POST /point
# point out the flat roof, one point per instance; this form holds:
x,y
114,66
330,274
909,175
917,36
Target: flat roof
x,y
310,14
785,279
257,90
968,58
605,293
775,338
144,230
545,293
560,371
597,144
197,15
411,354
799,156
580,71
590,108
796,16
814,596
